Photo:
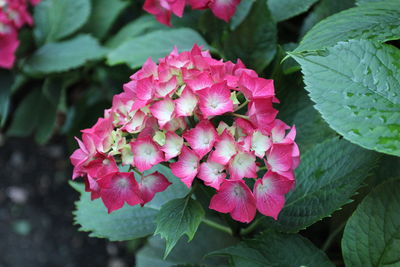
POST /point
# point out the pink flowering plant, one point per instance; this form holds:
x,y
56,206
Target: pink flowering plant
x,y
207,128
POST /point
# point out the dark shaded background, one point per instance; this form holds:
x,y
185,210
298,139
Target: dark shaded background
x,y
36,204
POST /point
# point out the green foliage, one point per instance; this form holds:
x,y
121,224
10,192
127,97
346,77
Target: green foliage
x,y
285,9
103,15
376,21
135,51
57,19
242,11
275,249
328,176
372,234
357,91
176,218
6,81
254,40
205,241
63,56
127,223
140,26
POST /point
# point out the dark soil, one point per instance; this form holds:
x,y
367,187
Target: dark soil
x,y
36,204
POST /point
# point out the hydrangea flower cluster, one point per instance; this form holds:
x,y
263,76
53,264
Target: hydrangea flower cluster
x,y
163,9
13,15
201,117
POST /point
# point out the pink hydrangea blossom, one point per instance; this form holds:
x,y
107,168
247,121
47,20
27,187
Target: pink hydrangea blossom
x,y
185,113
163,9
14,14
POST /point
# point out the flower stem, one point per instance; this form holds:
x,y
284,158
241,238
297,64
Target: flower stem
x,y
242,105
218,226
252,227
240,115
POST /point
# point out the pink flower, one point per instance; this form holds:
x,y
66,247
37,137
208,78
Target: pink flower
x,y
118,188
8,46
270,193
235,197
187,166
224,9
243,164
151,184
163,111
215,100
146,153
162,9
201,138
212,173
225,148
173,145
186,103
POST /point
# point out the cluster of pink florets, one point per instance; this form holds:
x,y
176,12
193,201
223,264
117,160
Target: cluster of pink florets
x,y
168,115
163,9
13,15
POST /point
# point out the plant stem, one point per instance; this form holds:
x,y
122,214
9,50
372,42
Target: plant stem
x,y
263,168
242,105
239,115
218,226
331,237
252,227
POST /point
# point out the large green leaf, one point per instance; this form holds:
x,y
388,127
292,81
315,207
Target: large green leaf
x,y
254,40
127,223
328,176
356,88
140,26
324,9
205,241
276,249
372,234
242,10
157,44
63,56
56,19
6,82
285,9
377,21
104,13
176,218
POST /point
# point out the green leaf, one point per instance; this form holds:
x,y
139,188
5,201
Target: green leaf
x,y
242,10
206,240
138,27
285,9
176,218
103,15
372,234
375,21
328,176
135,51
324,9
127,223
254,40
360,2
63,56
276,249
6,82
355,86
57,19
34,113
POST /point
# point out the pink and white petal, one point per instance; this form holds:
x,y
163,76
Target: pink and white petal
x,y
187,166
212,173
235,197
224,9
269,204
175,124
163,110
244,127
145,88
242,165
173,145
255,87
118,188
260,143
199,82
215,100
186,103
166,88
136,123
201,138
225,148
261,113
278,131
151,184
146,153
279,157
